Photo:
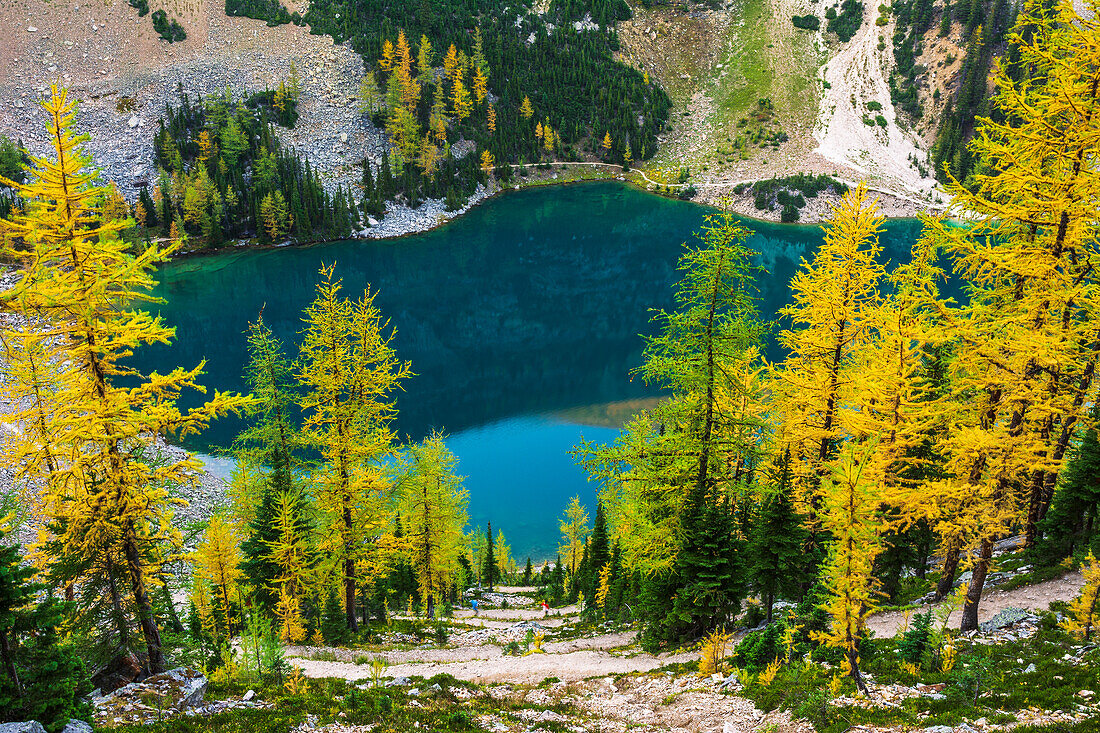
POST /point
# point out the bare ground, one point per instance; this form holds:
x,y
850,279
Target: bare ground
x,y
105,52
1031,598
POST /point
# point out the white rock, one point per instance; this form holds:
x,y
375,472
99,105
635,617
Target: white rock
x,y
31,29
133,121
249,695
343,137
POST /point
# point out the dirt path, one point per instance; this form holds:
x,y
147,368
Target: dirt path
x,y
569,661
1032,597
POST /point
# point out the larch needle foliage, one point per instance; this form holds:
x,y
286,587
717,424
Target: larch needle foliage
x,y
215,563
1028,335
433,503
103,482
349,372
835,298
1082,616
850,499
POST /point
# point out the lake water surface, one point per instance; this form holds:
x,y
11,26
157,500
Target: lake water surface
x,y
522,320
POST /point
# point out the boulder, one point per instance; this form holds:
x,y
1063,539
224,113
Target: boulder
x,y
174,691
119,672
27,726
1006,618
77,726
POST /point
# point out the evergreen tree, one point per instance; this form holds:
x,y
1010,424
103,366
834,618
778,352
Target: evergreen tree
x,y
600,549
777,540
528,572
334,627
705,590
41,678
258,566
1073,520
489,566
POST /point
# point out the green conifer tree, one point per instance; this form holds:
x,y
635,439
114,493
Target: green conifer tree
x,y
40,678
601,549
777,541
1073,520
489,567
259,567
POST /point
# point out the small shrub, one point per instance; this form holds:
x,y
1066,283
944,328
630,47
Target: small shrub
x,y
760,648
915,642
806,22
170,31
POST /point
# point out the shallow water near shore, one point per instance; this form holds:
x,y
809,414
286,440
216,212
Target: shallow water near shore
x,y
522,320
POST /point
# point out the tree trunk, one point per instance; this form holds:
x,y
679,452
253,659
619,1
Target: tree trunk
x,y
853,666
144,606
1034,507
116,605
173,617
349,594
701,478
950,566
9,663
974,595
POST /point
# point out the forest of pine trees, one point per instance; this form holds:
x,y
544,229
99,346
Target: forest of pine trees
x,y
223,176
898,425
567,76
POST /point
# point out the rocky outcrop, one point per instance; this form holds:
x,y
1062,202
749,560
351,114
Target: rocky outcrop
x,y
170,693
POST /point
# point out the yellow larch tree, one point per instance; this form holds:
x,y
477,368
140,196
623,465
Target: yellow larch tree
x,y
215,562
429,156
403,71
831,317
526,109
349,372
487,161
432,504
491,119
461,105
274,215
574,531
386,62
849,511
1027,335
425,73
451,67
292,553
103,484
481,85
506,564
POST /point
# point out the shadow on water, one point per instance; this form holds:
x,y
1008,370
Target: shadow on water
x,y
522,321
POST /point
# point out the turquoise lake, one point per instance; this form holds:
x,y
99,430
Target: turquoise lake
x,y
522,320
